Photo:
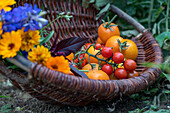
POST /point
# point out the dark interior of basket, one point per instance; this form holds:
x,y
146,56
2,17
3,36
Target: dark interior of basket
x,y
81,91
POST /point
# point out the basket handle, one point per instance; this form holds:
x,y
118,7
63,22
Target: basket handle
x,y
140,28
21,62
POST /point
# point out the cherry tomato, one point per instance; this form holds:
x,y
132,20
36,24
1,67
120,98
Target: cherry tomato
x,y
82,55
130,65
87,45
120,73
118,57
74,65
133,74
81,61
76,60
108,69
98,46
107,52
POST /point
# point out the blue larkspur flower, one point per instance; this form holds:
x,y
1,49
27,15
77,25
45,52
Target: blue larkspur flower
x,y
22,16
25,54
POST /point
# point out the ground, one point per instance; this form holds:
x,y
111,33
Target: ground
x,y
15,100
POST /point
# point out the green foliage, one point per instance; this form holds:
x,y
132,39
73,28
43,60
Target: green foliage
x,y
162,37
45,40
152,109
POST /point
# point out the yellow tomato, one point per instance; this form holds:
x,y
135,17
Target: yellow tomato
x,y
93,51
70,56
132,51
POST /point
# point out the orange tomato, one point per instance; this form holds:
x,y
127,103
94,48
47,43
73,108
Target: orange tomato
x,y
112,42
97,75
88,67
106,33
113,78
132,51
99,40
70,73
134,74
70,56
93,52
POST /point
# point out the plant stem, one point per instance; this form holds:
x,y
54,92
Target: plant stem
x,y
150,14
167,14
107,25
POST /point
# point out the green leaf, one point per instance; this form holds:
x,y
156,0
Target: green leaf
x,y
3,96
154,90
129,33
42,41
101,3
135,96
166,75
13,67
166,91
105,9
154,29
160,38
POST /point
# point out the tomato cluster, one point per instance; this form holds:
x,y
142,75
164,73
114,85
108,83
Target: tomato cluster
x,y
111,57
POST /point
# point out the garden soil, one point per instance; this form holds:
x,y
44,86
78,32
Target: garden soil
x,y
21,99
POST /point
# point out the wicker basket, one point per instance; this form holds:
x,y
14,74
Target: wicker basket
x,y
58,88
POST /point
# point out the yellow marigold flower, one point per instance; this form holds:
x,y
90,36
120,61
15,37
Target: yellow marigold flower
x,y
58,63
1,28
39,55
10,44
29,39
4,4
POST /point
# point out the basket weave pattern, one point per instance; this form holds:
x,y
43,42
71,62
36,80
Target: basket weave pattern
x,y
58,88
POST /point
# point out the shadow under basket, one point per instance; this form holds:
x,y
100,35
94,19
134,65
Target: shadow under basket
x,y
59,88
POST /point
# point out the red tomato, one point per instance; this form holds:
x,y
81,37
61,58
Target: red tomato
x,y
74,65
133,74
76,60
98,46
82,55
107,52
118,57
87,45
83,63
130,65
108,69
80,62
120,73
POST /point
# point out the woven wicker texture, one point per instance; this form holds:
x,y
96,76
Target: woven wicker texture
x,y
58,88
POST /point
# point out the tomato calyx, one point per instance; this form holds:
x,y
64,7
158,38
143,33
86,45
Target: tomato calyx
x,y
123,45
107,25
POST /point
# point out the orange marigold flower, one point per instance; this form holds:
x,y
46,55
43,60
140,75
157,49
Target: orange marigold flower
x,y
4,4
1,28
10,44
58,63
29,39
39,55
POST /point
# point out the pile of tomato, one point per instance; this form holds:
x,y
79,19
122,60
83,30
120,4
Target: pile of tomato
x,y
110,58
